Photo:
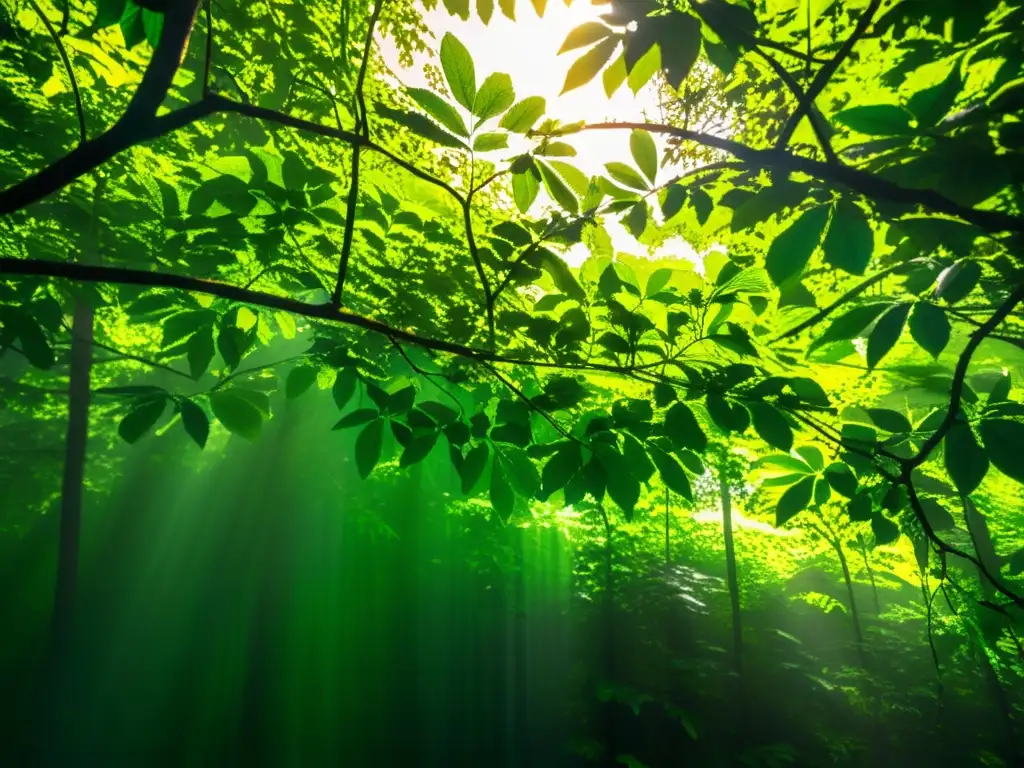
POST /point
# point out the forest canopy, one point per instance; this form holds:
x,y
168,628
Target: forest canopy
x,y
211,209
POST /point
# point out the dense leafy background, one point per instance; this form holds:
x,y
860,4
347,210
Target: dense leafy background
x,y
223,243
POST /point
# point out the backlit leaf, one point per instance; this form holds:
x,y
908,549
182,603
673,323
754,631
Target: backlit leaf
x,y
237,413
929,327
965,459
796,499
368,447
586,67
458,70
791,250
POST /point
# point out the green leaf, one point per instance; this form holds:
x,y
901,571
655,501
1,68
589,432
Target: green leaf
x,y
300,379
473,467
132,29
889,420
842,479
859,508
636,458
560,273
932,104
623,174
141,419
417,449
636,219
937,515
344,387
502,496
672,474
886,333
458,70
674,199
489,142
237,413
485,10
524,115
108,12
657,280
792,249
34,344
877,120
1003,441
929,327
200,351
956,282
368,446
195,421
822,491
520,470
561,467
495,96
812,456
586,67
153,24
885,530
767,202
585,34
458,8
614,76
850,324
681,47
422,126
850,240
622,485
440,110
645,153
683,430
796,499
525,187
558,189
965,459
771,426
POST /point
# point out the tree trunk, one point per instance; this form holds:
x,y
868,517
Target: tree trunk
x,y
871,574
668,533
730,570
74,475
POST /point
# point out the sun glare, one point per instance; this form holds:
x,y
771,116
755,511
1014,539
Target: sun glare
x,y
527,50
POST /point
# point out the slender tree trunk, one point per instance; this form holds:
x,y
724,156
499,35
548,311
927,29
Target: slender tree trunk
x,y
668,533
74,475
730,570
58,687
871,574
854,613
609,649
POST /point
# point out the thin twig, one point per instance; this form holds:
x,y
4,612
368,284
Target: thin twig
x,y
82,135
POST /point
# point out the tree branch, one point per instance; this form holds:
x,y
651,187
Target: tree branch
x,y
82,137
858,289
820,129
326,312
821,79
959,375
859,181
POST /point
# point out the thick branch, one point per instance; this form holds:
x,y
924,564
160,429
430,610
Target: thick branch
x,y
123,135
865,183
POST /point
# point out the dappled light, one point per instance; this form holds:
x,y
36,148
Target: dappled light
x,y
521,383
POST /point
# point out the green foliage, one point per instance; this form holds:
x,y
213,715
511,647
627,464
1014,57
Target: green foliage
x,y
244,244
